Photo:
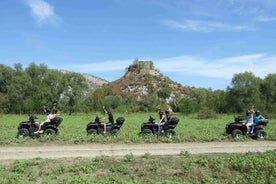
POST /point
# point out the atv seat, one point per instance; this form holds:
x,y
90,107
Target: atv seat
x,y
173,121
120,121
56,121
263,122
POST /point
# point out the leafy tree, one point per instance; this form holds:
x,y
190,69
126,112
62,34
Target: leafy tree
x,y
187,105
217,101
244,93
73,86
6,74
19,91
268,89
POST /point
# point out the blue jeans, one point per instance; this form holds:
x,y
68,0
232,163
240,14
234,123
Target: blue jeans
x,y
160,126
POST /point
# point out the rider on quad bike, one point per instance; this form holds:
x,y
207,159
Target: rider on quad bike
x,y
31,128
151,127
97,127
238,128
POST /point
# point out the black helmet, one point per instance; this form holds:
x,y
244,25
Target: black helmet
x,y
248,112
97,119
109,112
48,111
151,119
32,117
257,112
161,112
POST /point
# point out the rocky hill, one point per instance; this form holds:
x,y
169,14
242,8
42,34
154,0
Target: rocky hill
x,y
94,82
142,80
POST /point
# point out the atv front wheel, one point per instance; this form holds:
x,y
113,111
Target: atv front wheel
x,y
23,132
236,134
91,132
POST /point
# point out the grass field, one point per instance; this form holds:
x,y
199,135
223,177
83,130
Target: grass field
x,y
72,130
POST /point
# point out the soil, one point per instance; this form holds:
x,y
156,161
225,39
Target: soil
x,y
93,150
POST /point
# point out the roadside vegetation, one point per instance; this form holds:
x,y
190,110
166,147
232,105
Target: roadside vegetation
x,y
253,168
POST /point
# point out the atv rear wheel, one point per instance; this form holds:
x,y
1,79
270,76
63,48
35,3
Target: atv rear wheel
x,y
236,134
23,132
147,132
170,133
49,131
260,134
115,131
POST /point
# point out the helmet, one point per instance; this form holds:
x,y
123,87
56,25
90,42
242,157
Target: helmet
x,y
48,111
161,112
151,119
32,117
248,112
257,112
97,119
109,112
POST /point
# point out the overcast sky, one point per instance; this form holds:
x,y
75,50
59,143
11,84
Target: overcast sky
x,y
200,43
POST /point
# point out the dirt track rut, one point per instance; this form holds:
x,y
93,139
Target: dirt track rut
x,y
93,150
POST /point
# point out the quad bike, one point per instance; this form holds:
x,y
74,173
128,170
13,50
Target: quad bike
x,y
238,128
151,127
28,128
96,127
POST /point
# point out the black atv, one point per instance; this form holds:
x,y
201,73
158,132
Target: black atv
x,y
28,128
97,127
152,128
238,128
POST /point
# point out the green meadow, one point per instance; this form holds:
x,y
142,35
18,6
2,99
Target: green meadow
x,y
73,130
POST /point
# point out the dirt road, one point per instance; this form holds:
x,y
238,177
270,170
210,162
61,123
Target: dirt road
x,y
93,150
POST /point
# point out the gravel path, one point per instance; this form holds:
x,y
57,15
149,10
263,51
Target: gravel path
x,y
93,150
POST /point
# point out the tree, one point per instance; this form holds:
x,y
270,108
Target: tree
x,y
73,89
244,93
268,89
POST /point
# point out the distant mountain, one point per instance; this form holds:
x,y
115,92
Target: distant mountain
x,y
92,81
141,80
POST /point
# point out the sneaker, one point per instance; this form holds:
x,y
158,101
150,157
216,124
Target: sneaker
x,y
38,132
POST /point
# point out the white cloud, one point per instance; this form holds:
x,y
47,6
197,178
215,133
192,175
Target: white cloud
x,y
259,64
265,19
105,66
42,11
223,68
205,26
